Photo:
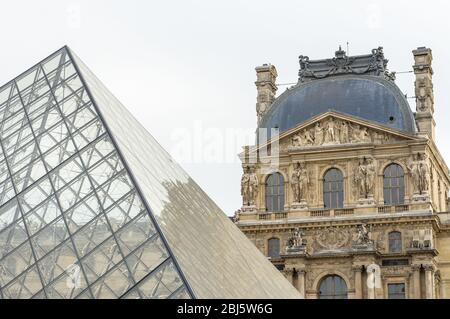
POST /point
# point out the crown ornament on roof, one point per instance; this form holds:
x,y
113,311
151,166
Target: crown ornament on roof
x,y
368,64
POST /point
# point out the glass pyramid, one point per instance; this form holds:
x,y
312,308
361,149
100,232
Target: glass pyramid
x,y
91,206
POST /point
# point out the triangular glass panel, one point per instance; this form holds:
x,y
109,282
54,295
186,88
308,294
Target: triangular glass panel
x,y
91,206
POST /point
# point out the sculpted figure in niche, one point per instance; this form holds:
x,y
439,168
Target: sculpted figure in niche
x,y
249,186
365,177
420,173
299,182
254,186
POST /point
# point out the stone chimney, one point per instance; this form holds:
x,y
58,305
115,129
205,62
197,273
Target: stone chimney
x,y
266,76
424,91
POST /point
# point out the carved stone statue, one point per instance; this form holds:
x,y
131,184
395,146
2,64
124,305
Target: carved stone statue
x,y
303,138
318,134
237,216
344,132
363,235
365,177
360,134
355,136
299,182
296,239
249,186
364,135
371,175
420,173
331,135
253,186
297,140
309,138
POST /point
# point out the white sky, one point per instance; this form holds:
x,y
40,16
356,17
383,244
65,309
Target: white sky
x,y
181,65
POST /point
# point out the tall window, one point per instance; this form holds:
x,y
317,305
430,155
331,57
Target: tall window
x,y
395,242
275,193
273,250
333,189
396,291
332,287
394,185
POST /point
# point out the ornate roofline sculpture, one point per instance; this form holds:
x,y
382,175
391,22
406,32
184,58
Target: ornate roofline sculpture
x,y
371,64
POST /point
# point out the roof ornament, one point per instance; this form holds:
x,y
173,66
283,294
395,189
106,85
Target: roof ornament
x,y
369,64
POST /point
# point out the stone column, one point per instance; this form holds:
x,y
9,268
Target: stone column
x,y
416,289
301,282
429,281
358,282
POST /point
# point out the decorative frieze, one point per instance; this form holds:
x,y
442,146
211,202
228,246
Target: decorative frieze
x,y
334,131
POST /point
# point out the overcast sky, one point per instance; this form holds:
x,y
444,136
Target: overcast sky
x,y
185,69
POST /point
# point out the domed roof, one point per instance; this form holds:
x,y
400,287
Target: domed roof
x,y
348,86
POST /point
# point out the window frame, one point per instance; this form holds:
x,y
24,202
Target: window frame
x,y
395,242
394,185
396,294
278,247
274,195
333,189
335,294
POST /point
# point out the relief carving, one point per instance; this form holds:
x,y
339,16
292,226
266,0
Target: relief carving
x,y
424,94
333,131
332,238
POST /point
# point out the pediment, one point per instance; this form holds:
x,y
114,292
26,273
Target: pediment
x,y
332,128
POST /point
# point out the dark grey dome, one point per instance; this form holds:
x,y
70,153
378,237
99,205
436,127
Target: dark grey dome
x,y
368,97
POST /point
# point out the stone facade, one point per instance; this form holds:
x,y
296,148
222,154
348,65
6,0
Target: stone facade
x,y
371,243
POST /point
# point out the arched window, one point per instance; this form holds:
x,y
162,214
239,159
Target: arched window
x,y
275,193
273,248
395,242
333,189
332,287
394,185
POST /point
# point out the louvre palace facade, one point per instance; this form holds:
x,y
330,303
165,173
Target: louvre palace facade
x,y
345,191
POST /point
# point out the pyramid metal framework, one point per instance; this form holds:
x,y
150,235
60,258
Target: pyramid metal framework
x,y
91,206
